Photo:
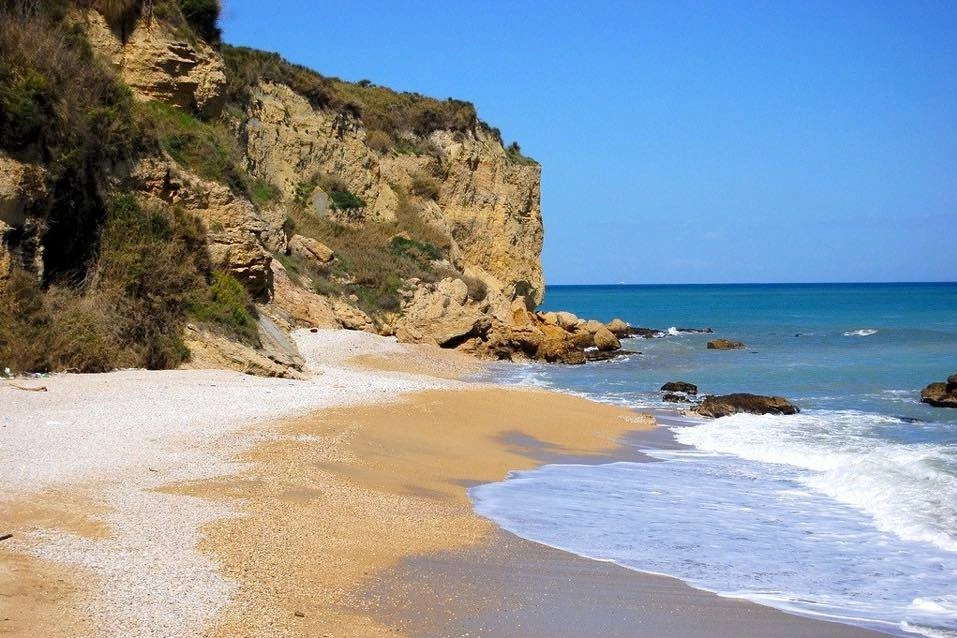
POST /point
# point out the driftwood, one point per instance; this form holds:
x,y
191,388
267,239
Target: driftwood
x,y
4,537
41,388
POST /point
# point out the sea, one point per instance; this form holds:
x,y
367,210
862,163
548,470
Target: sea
x,y
846,511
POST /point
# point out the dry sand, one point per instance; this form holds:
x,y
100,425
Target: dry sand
x,y
206,503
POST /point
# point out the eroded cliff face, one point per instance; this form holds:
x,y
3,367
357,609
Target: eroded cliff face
x,y
487,205
158,63
481,201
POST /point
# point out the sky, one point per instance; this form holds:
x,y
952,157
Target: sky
x,y
685,142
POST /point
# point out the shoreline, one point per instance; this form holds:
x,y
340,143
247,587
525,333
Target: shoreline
x,y
307,517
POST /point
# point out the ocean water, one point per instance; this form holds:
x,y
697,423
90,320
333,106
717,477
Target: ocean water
x,y
847,510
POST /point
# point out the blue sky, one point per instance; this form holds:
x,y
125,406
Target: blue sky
x,y
685,142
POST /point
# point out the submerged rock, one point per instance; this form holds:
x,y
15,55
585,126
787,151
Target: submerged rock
x,y
941,395
725,404
671,397
680,386
725,344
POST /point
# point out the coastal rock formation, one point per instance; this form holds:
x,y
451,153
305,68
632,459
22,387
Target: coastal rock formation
x,y
440,314
605,340
486,206
723,405
671,397
941,395
725,344
619,328
680,386
157,63
391,212
235,233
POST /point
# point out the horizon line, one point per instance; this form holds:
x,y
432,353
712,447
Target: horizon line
x,y
753,283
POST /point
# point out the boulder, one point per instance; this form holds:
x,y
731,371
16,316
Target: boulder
x,y
310,249
593,326
548,317
439,314
725,404
566,320
725,344
605,341
671,397
941,395
619,328
680,386
302,307
350,317
645,333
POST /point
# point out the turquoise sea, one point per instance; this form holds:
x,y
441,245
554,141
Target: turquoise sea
x,y
847,510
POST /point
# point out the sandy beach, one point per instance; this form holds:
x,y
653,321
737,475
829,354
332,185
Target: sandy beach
x,y
209,503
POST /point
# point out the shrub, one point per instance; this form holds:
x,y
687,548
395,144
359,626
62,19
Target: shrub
x,y
263,193
202,16
207,148
379,141
345,200
425,186
228,307
513,153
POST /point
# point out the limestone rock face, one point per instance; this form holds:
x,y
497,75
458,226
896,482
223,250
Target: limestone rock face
x,y
725,344
22,189
208,350
236,232
723,405
310,249
439,314
158,64
303,307
487,206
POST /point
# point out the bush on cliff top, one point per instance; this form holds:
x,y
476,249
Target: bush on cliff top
x,y
386,112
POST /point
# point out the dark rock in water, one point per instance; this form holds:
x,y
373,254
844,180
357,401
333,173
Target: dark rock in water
x,y
909,419
696,331
941,395
725,404
725,344
644,333
671,397
680,386
605,355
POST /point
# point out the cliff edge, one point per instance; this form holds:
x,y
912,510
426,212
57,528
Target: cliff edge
x,y
167,198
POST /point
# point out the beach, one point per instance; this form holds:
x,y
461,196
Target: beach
x,y
209,503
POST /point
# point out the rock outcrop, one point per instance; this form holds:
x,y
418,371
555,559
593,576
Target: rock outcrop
x,y
725,344
723,405
159,64
941,395
680,386
236,232
486,205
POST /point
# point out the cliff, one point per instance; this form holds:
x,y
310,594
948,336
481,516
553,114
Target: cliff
x,y
285,198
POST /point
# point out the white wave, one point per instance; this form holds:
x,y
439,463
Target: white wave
x,y
673,331
863,332
909,490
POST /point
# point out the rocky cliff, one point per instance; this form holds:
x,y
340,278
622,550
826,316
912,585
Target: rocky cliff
x,y
333,204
